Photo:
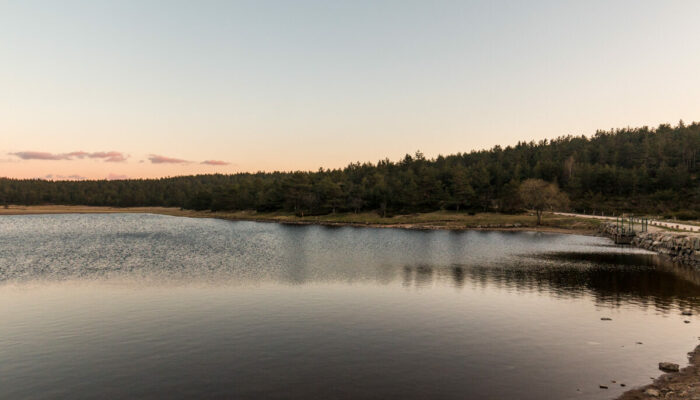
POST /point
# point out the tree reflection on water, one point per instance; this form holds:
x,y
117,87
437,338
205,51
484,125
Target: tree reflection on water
x,y
613,279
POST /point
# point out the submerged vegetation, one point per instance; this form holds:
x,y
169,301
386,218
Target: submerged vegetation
x,y
639,170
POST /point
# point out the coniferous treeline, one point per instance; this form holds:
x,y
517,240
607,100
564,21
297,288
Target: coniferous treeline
x,y
627,170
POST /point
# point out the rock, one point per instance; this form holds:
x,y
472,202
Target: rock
x,y
640,343
681,248
668,367
623,384
652,392
687,313
606,319
602,386
686,321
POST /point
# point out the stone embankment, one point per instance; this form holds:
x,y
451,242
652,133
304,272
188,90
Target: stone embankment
x,y
683,248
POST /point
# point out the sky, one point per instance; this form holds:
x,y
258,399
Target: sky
x,y
130,89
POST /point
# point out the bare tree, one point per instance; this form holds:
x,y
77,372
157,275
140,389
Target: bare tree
x,y
540,195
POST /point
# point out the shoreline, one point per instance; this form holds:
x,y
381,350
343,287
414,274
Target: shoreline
x,y
684,384
439,220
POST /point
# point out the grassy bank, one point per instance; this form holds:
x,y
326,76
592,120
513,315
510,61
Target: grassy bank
x,y
432,220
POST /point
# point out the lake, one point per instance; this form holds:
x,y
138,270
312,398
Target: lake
x,y
158,307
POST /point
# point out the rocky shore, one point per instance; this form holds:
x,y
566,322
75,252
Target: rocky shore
x,y
684,384
683,248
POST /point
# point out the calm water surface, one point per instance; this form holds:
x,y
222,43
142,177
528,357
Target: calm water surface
x,y
146,306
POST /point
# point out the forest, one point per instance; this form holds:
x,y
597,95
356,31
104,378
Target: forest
x,y
637,170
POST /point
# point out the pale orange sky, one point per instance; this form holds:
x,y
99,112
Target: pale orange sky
x,y
302,85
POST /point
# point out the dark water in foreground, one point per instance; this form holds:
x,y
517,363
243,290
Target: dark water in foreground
x,y
144,306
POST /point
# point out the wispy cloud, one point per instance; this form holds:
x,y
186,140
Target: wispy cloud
x,y
116,177
107,156
215,162
156,159
53,177
40,155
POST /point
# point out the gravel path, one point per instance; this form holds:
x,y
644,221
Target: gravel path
x,y
653,224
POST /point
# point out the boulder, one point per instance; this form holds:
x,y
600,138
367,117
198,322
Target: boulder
x,y
668,367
